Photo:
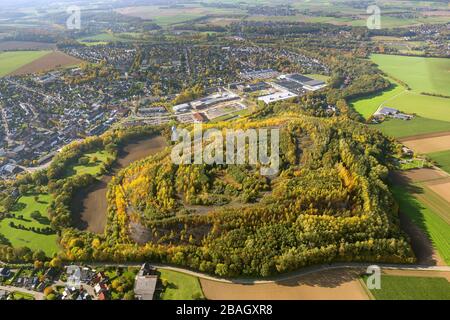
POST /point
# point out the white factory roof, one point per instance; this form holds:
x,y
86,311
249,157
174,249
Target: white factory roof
x,y
278,96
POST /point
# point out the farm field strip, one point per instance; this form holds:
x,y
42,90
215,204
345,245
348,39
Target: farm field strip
x,y
418,126
436,198
402,287
328,284
429,145
422,74
12,60
52,60
427,219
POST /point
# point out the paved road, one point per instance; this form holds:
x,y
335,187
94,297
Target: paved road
x,y
37,295
284,277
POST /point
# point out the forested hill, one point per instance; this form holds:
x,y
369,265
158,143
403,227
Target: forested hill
x,y
329,202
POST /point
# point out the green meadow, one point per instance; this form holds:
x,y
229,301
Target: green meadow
x,y
401,129
180,286
27,238
13,60
412,288
96,161
421,74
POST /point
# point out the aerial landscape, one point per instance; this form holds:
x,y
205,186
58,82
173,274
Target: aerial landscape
x,y
224,150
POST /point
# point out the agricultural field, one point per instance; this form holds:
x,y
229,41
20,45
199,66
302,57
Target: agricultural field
x,y
442,159
53,60
428,220
26,45
179,286
412,288
323,285
166,16
106,37
431,112
12,60
19,237
421,74
419,125
428,144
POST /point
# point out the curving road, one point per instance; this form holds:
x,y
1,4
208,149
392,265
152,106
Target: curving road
x,y
284,277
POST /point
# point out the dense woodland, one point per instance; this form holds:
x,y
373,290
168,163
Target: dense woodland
x,y
329,203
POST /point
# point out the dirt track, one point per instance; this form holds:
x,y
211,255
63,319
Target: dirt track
x,y
340,284
53,60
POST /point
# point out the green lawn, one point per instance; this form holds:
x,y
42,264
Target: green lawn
x,y
421,74
442,158
433,225
13,60
412,288
400,128
180,286
93,168
35,241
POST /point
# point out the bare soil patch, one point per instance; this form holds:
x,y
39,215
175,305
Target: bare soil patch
x,y
430,144
420,243
26,45
53,60
340,284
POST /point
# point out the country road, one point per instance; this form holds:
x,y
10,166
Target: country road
x,y
284,277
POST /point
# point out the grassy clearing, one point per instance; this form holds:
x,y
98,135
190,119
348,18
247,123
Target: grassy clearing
x,y
412,288
13,60
400,128
430,222
422,74
94,167
180,286
442,158
20,238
